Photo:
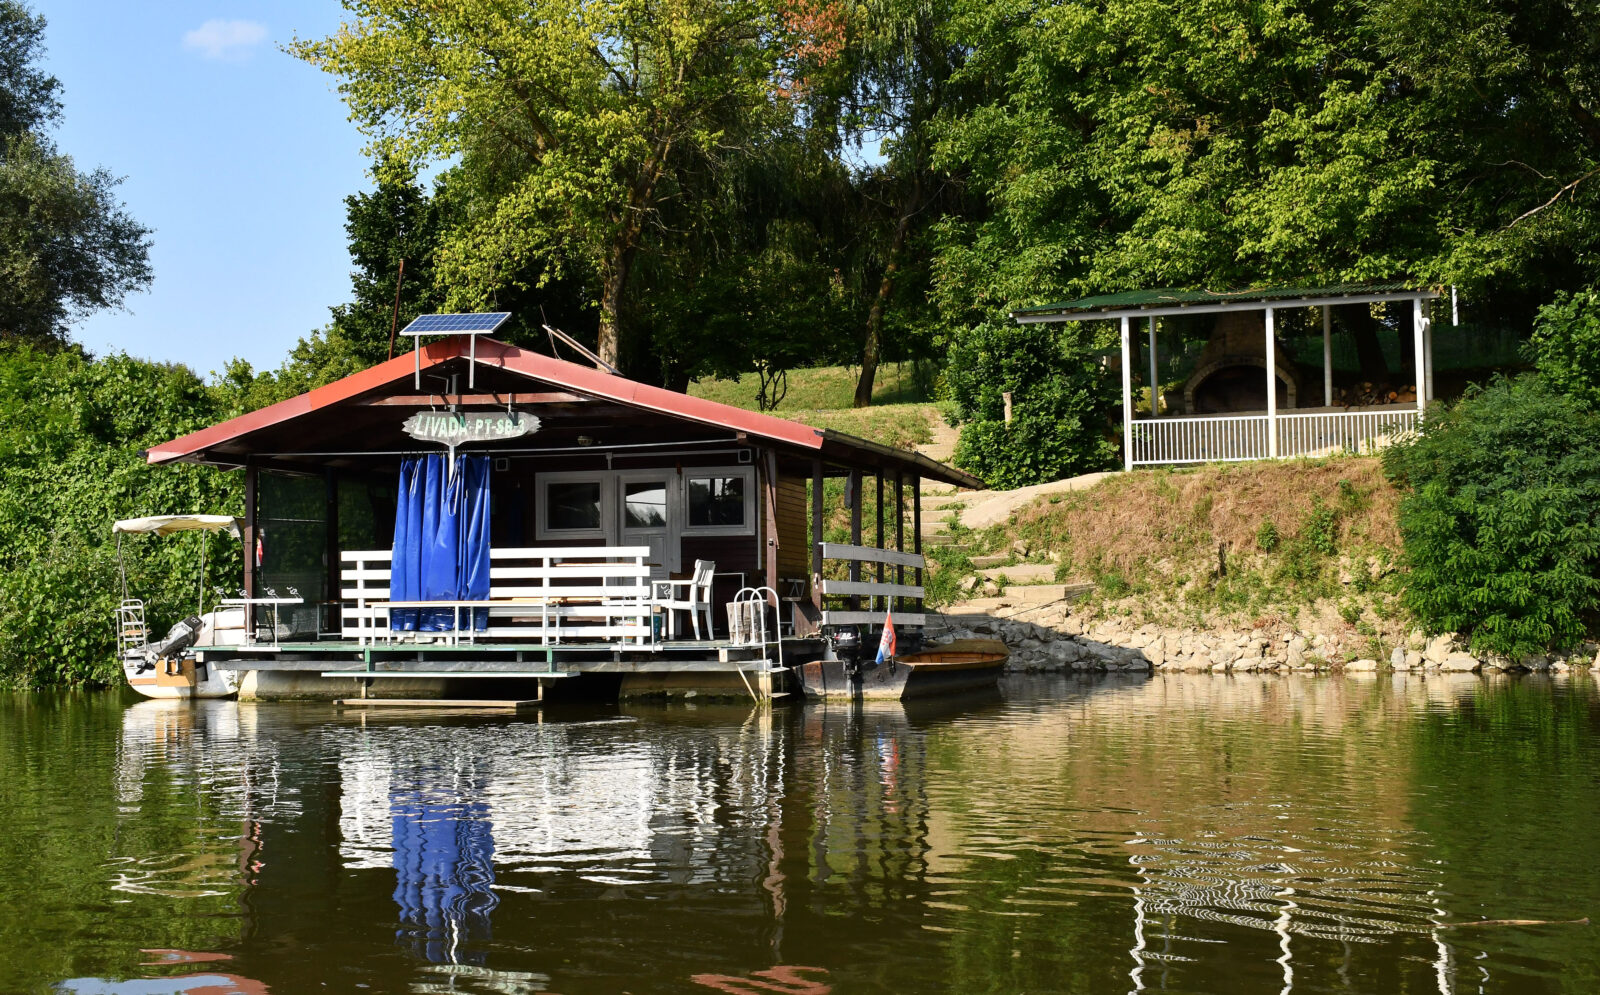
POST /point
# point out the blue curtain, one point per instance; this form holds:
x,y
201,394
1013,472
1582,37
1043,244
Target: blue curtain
x,y
441,541
473,472
405,579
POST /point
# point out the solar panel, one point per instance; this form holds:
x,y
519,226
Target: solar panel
x,y
451,324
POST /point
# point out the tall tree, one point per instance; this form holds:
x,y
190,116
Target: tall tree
x,y
567,119
67,246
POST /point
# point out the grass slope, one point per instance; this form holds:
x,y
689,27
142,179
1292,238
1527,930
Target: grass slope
x,y
1257,545
819,388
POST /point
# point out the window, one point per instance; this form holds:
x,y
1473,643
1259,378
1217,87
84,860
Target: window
x,y
644,505
719,502
573,506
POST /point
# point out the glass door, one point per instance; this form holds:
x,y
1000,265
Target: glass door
x,y
648,519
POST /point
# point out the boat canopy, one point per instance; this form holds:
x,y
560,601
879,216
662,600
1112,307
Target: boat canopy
x,y
165,525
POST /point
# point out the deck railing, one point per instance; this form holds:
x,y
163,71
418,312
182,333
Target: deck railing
x,y
543,595
1233,438
880,595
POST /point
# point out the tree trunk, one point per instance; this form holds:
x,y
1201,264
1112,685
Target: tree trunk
x,y
1363,328
615,278
872,351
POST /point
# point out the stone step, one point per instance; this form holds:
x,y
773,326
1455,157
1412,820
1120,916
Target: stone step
x,y
1022,574
934,526
942,539
991,560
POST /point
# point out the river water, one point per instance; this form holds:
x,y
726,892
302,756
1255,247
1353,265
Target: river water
x,y
1182,833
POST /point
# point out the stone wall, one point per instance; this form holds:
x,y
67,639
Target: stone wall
x,y
1068,642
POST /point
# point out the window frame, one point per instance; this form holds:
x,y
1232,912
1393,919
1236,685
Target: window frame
x,y
748,474
605,479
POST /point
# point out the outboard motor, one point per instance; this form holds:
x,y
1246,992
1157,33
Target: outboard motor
x,y
178,638
844,643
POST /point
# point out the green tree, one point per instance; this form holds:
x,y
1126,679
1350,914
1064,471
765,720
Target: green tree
x,y
67,247
1502,520
569,122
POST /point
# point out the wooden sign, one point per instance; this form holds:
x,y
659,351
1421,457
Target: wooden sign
x,y
458,428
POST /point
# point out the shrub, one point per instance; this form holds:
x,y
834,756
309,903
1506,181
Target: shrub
x,y
1267,536
1060,398
1565,345
1502,523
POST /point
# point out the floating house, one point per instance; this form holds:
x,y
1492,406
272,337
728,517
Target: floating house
x,y
1244,397
476,510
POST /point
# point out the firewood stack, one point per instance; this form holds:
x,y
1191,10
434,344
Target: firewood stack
x,y
1366,393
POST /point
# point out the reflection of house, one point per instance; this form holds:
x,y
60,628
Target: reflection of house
x,y
1245,396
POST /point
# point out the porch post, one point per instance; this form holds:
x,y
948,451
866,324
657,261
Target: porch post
x,y
769,550
916,527
1419,325
1427,347
1155,402
1272,383
250,537
879,476
1327,356
816,533
1127,399
899,533
855,533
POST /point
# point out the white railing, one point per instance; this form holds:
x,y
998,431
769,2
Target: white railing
x,y
885,594
543,595
1232,438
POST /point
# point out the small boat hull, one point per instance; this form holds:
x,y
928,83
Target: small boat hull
x,y
179,678
963,665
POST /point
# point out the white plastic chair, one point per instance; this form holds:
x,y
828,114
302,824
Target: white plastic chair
x,y
692,596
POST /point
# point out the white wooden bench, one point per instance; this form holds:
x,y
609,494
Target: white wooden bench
x,y
546,595
872,590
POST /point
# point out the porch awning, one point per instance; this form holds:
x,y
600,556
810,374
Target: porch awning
x,y
1163,301
165,525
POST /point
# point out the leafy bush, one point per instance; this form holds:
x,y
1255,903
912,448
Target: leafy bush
x,y
71,431
1565,346
1060,399
1502,525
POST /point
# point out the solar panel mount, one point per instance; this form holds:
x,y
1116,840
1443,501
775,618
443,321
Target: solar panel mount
x,y
470,325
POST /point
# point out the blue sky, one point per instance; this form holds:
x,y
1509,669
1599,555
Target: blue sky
x,y
237,155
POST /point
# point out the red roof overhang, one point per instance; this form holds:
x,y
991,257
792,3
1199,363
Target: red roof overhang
x,y
570,376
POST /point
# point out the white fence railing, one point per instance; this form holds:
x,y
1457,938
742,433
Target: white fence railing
x,y
544,595
1232,438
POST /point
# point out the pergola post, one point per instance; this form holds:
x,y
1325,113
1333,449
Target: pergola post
x,y
1327,356
1155,402
1127,398
1419,326
1272,383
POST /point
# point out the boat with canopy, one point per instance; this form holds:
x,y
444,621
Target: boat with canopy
x,y
167,667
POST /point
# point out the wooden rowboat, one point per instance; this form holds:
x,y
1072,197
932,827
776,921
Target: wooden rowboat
x,y
961,665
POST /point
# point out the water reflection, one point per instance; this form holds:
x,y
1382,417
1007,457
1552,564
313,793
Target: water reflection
x,y
1109,834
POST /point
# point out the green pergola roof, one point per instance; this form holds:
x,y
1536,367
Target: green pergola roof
x,y
1168,300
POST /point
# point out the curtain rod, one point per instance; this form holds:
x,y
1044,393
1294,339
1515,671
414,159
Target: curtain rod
x,y
518,450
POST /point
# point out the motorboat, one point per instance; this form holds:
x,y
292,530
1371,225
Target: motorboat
x,y
167,666
940,668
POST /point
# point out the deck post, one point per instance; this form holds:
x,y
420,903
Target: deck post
x,y
769,559
1155,402
879,477
899,533
1127,398
916,527
816,533
1327,356
1272,383
250,475
1419,326
855,533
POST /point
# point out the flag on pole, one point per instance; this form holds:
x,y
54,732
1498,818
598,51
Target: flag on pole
x,y
886,641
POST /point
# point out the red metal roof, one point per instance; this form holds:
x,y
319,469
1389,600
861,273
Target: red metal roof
x,y
579,379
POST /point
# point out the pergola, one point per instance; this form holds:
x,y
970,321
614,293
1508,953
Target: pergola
x,y
1253,435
